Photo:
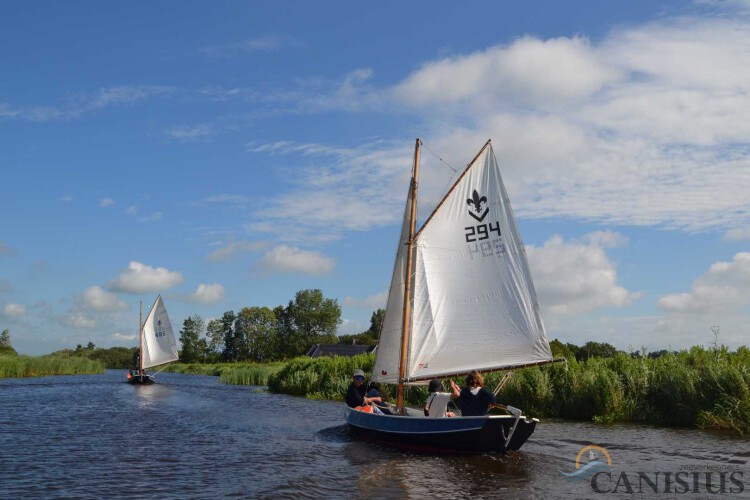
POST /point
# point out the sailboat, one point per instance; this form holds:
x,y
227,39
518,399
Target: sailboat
x,y
461,299
157,343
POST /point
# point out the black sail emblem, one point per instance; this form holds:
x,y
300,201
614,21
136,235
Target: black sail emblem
x,y
477,202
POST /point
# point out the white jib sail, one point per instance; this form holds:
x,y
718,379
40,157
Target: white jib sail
x,y
159,345
388,353
475,307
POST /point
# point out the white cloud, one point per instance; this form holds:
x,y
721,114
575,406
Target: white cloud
x,y
152,217
266,43
67,198
376,301
191,133
132,210
207,294
724,287
574,278
739,234
14,310
233,248
97,299
117,336
140,278
80,104
647,126
520,74
76,320
106,202
286,259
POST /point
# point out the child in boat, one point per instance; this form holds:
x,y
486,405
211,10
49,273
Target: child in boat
x,y
437,401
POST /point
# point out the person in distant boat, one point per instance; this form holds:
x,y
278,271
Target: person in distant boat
x,y
475,399
356,394
437,401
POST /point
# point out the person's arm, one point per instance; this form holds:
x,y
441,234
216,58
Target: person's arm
x,y
455,390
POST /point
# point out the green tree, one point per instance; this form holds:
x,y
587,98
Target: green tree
x,y
307,320
5,346
563,350
257,327
230,352
214,340
376,323
593,349
193,350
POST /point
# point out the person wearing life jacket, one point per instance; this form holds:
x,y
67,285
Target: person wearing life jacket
x,y
356,394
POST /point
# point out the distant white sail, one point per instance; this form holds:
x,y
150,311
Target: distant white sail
x,y
159,345
389,343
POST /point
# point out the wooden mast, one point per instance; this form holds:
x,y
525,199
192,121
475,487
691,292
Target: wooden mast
x,y
407,286
140,339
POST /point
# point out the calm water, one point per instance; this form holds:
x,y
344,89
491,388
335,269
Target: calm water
x,y
189,436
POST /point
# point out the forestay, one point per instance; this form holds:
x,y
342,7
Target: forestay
x,y
474,303
159,345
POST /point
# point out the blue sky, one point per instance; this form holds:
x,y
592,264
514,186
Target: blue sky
x,y
228,154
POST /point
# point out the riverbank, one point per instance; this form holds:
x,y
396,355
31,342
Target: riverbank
x,y
12,366
704,388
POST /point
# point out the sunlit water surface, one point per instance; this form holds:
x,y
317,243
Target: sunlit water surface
x,y
189,436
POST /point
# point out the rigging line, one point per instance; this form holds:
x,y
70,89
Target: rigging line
x,y
436,156
450,180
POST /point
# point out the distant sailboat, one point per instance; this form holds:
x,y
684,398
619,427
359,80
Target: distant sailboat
x,y
461,299
157,343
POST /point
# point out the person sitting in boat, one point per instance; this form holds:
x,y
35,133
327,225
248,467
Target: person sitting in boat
x,y
475,399
356,394
437,401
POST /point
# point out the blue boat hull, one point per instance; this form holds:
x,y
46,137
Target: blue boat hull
x,y
442,435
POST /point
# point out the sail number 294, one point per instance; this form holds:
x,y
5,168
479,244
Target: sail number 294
x,y
481,232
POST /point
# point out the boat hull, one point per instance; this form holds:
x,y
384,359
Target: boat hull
x,y
141,380
442,435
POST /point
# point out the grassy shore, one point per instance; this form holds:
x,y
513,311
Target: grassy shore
x,y
12,366
706,388
231,373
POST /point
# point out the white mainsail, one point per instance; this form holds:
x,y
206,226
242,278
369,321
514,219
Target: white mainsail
x,y
159,345
474,303
389,344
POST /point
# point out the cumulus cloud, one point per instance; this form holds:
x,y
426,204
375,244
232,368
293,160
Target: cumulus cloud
x,y
207,294
575,277
519,73
14,310
739,234
117,336
376,301
141,278
97,299
106,202
235,247
76,320
724,287
286,259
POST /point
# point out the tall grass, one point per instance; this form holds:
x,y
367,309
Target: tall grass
x,y
707,388
230,373
40,366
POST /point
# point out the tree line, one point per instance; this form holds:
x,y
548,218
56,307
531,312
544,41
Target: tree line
x,y
262,334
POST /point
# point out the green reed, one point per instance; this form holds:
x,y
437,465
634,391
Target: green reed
x,y
39,366
707,388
